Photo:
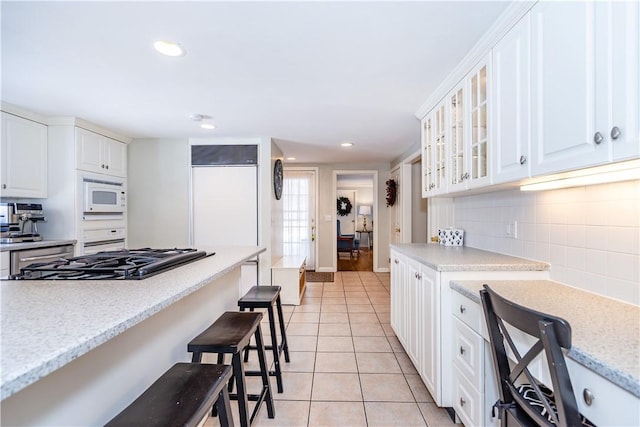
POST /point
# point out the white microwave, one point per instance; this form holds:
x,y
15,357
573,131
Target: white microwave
x,y
104,197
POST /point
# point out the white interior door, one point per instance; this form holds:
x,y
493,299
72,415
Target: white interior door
x,y
299,207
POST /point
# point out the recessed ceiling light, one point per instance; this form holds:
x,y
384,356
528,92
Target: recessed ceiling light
x,y
347,144
207,126
169,48
291,158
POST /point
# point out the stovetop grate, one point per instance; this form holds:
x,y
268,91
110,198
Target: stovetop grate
x,y
127,264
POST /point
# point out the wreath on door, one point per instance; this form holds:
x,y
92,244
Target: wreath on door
x,y
392,189
344,206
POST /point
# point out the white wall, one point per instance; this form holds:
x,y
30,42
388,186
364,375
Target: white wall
x,y
158,193
589,235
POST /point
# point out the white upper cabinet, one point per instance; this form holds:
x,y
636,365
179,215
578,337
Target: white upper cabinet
x,y
23,158
511,104
458,138
434,151
99,154
584,84
617,101
479,142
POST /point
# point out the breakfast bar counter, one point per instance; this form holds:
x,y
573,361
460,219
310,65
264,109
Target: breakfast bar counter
x,y
64,343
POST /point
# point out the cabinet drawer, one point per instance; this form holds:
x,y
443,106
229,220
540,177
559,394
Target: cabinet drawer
x,y
611,405
466,400
468,353
468,311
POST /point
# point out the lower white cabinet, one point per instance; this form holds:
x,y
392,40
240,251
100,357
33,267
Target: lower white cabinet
x,y
23,157
474,386
421,317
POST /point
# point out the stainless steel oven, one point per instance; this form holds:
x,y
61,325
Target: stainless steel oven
x,y
24,257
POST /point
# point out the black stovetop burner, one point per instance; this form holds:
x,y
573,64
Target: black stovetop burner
x,y
126,264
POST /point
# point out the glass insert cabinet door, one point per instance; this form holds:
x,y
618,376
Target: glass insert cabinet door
x,y
457,137
479,110
427,155
440,146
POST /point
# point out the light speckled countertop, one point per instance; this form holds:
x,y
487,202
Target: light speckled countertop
x,y
462,258
47,324
605,332
34,245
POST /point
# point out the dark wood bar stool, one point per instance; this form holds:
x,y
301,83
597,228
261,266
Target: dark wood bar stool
x,y
267,297
182,396
231,333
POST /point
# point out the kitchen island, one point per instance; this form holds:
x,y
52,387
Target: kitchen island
x,y
77,352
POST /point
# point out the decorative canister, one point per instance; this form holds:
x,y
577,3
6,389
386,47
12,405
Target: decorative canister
x,y
451,237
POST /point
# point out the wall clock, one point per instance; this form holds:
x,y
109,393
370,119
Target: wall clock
x,y
277,179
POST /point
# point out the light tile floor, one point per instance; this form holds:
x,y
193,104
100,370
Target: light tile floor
x,y
347,366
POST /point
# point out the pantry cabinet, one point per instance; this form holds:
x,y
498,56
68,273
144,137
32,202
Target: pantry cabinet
x,y
584,85
23,157
100,154
511,100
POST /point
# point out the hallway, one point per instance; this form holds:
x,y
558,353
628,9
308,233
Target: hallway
x,y
347,367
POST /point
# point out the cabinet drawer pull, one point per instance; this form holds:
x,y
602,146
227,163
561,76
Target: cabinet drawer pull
x,y
523,160
598,138
462,309
462,401
615,132
588,397
462,350
4,186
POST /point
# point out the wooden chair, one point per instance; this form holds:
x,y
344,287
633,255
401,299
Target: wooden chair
x,y
524,401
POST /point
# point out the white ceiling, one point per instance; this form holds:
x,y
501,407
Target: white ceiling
x,y
308,74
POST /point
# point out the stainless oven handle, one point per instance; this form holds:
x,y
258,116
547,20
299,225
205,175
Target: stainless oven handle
x,y
38,258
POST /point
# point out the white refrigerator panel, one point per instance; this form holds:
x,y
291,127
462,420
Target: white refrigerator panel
x,y
225,206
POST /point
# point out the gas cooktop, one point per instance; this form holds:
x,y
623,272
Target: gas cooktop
x,y
126,264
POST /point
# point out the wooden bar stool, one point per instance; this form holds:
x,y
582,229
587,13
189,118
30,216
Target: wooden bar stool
x,y
231,333
266,297
182,396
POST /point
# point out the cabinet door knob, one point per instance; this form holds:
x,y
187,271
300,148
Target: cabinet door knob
x,y
462,351
102,166
598,138
396,260
523,160
418,276
462,401
462,309
615,132
466,175
4,185
588,397
106,167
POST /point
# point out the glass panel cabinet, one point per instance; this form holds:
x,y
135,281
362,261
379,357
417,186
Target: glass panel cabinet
x,y
479,110
434,149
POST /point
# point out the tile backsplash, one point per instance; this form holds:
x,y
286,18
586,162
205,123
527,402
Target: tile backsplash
x,y
589,235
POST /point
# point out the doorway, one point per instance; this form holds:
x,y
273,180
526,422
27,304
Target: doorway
x,y
356,212
299,214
